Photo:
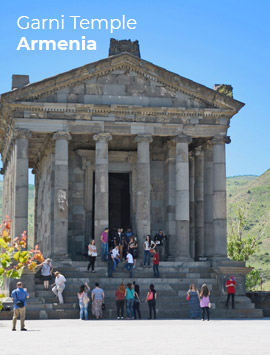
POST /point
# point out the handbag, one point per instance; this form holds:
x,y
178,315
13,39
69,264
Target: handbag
x,y
94,253
150,296
209,305
19,304
86,299
103,307
188,297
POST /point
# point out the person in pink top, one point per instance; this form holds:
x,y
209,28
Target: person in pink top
x,y
104,244
205,301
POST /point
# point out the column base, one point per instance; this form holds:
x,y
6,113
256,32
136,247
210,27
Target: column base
x,y
183,258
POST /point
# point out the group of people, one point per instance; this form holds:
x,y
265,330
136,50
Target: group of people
x,y
128,296
119,246
199,302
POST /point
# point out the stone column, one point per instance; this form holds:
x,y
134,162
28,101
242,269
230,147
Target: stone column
x,y
60,236
192,203
199,203
182,198
219,197
88,199
170,195
143,213
208,200
21,182
101,186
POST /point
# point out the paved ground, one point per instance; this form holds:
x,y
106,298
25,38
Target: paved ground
x,y
137,337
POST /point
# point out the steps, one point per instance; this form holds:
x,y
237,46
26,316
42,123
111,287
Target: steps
x,y
171,291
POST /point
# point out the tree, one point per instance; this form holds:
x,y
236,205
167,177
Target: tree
x,y
13,254
241,248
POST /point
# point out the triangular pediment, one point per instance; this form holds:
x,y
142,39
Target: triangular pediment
x,y
126,80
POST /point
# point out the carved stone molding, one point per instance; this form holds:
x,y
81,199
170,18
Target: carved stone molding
x,y
221,140
62,135
144,138
182,138
102,137
22,133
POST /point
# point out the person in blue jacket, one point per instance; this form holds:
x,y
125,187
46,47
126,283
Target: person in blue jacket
x,y
19,296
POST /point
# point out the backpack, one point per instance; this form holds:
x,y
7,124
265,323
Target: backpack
x,y
150,296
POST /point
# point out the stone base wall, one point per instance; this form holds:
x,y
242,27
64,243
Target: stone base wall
x,y
261,300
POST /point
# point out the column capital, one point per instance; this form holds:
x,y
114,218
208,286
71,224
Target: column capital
x,y
62,135
85,163
198,151
182,138
207,145
22,133
191,155
144,137
221,140
171,143
102,137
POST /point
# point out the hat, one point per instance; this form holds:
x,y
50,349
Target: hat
x,y
48,260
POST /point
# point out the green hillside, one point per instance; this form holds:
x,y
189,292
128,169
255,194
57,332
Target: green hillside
x,y
253,193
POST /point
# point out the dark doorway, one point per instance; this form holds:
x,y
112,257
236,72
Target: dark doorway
x,y
119,200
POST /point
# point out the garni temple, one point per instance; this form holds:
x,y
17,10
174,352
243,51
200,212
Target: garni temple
x,y
120,142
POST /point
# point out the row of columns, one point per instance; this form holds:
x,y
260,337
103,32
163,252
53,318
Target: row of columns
x,y
200,193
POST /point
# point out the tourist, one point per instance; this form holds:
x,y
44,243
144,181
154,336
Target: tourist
x,y
110,263
92,253
129,301
151,300
83,301
155,263
97,300
104,244
19,296
59,286
230,286
148,245
129,265
205,301
133,249
116,257
160,237
193,299
127,236
137,301
120,295
46,273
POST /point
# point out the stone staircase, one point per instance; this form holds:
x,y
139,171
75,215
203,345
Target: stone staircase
x,y
174,281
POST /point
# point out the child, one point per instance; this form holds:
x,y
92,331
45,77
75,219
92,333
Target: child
x,y
156,263
230,286
205,301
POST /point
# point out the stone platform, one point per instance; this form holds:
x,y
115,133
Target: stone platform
x,y
174,281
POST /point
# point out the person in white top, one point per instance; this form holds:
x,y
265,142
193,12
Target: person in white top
x,y
59,286
148,246
116,256
129,261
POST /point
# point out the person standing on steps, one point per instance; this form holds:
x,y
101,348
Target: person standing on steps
x,y
137,301
59,286
129,301
230,286
97,300
92,253
205,301
120,295
156,263
83,301
46,273
151,300
193,299
19,296
129,265
148,245
110,263
104,244
133,249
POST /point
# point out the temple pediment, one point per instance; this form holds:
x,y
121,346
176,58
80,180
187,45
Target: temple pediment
x,y
122,80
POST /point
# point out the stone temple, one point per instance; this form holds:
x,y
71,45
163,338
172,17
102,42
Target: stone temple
x,y
117,142
122,142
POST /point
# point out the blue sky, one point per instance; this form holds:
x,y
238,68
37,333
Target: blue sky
x,y
206,41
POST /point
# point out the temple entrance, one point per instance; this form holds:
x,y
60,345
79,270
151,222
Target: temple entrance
x,y
119,200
